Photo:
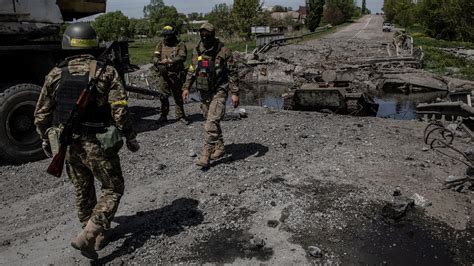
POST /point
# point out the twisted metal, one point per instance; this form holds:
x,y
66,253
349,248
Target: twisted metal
x,y
439,138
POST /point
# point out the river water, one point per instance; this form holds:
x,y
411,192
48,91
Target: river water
x,y
395,106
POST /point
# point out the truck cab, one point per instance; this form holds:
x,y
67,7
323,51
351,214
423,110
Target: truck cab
x,y
30,47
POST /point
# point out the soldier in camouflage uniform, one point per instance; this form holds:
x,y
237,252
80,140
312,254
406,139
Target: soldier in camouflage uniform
x,y
214,72
86,158
170,55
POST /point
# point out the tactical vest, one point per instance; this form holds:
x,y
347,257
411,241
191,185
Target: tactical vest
x,y
170,53
69,89
209,73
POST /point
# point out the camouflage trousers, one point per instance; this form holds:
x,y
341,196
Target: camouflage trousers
x,y
213,109
171,88
86,160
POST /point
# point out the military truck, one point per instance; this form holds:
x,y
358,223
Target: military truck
x,y
26,56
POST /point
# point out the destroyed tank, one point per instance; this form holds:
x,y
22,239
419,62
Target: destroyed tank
x,y
26,58
336,94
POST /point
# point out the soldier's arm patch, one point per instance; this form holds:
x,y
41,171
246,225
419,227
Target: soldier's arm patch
x,y
121,103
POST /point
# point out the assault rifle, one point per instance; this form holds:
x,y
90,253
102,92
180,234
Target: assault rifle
x,y
65,139
114,53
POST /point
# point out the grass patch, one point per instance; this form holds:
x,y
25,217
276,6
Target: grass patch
x,y
439,61
141,50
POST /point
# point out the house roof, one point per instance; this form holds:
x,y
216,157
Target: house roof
x,y
284,15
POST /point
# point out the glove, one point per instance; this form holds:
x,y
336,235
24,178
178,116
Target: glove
x,y
47,148
185,95
133,145
235,101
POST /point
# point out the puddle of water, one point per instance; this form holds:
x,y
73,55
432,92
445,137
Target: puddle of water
x,y
403,107
268,94
395,106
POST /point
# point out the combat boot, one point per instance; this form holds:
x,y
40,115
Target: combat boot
x,y
205,156
101,241
162,120
86,239
219,150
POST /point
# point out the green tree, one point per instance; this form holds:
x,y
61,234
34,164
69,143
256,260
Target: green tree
x,y
246,13
315,12
338,11
112,26
364,7
221,17
161,15
279,8
389,9
195,16
404,12
451,19
139,27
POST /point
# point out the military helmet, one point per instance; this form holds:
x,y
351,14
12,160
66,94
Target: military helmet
x,y
80,36
168,31
208,26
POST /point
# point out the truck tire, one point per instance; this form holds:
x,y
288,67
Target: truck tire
x,y
19,141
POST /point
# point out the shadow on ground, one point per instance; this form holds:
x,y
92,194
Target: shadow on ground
x,y
139,228
240,151
142,122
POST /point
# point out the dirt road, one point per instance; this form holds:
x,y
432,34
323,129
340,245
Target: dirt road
x,y
291,180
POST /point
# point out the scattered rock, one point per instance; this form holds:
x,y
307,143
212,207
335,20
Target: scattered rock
x,y
421,201
315,251
425,149
6,243
452,178
397,208
192,153
272,223
273,203
257,242
397,192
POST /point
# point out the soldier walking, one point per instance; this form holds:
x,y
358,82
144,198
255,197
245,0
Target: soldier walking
x,y
169,58
86,157
215,74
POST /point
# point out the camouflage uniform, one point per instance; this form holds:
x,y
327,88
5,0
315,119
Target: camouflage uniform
x,y
171,81
213,86
85,158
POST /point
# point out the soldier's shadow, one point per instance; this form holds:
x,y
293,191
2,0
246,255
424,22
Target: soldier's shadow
x,y
137,229
141,122
240,151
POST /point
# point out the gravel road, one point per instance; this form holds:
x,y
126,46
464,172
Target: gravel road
x,y
294,188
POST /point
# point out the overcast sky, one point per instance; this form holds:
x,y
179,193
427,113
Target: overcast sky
x,y
134,8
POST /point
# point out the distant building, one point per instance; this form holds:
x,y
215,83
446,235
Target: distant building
x,y
194,25
294,15
303,14
283,21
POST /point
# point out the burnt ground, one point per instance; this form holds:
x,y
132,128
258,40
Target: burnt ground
x,y
290,180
